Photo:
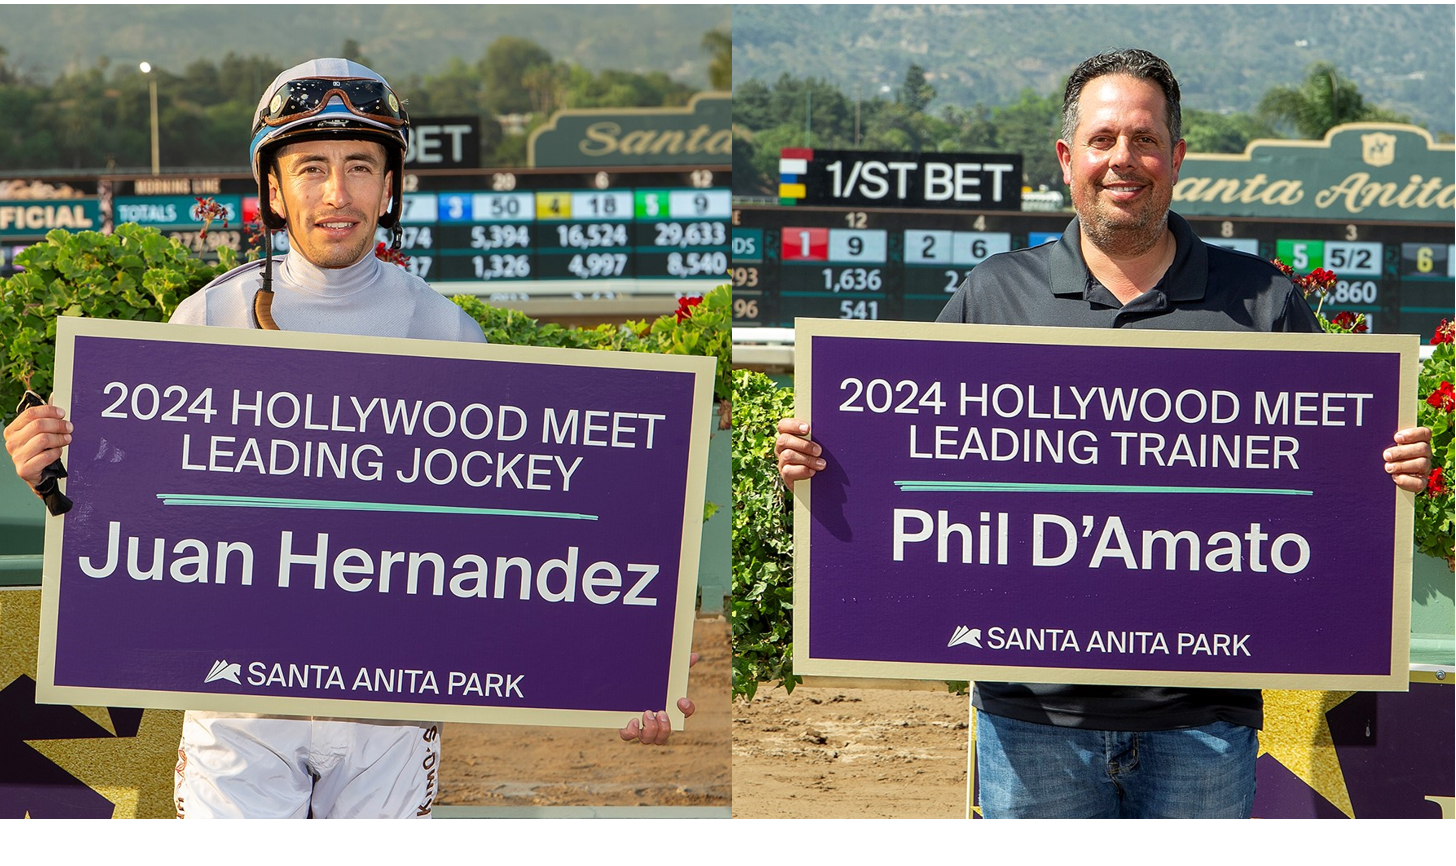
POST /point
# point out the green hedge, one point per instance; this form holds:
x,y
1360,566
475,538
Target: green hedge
x,y
695,328
138,274
134,273
763,539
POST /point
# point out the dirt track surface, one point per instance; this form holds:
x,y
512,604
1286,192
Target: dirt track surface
x,y
488,765
850,753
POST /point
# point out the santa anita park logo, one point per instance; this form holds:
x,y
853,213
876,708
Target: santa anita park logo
x,y
1371,171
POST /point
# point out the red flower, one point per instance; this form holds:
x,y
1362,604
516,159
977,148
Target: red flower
x,y
394,257
208,210
1443,397
1443,332
254,233
1317,280
1348,321
1435,485
685,307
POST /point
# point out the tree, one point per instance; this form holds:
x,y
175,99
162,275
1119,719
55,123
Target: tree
x,y
915,92
1211,132
510,150
894,126
8,75
616,89
1031,127
548,85
720,69
1321,102
830,114
747,179
78,119
90,118
770,142
243,78
199,83
456,90
752,105
967,129
23,145
506,60
352,51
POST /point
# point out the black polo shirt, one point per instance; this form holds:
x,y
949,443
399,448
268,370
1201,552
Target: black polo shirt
x,y
1207,288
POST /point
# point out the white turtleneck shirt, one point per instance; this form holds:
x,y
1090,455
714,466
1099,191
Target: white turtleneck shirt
x,y
370,298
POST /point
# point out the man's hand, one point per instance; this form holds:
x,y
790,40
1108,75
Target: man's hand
x,y
35,439
655,728
798,458
1409,460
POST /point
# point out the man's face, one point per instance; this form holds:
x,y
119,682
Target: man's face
x,y
1121,164
331,193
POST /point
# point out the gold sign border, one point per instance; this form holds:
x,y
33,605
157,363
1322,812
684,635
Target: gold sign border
x,y
701,368
1397,676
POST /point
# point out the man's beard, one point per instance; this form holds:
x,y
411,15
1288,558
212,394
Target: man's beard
x,y
1124,239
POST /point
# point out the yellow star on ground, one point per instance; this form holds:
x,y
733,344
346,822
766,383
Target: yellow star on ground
x,y
19,632
19,629
1297,735
135,773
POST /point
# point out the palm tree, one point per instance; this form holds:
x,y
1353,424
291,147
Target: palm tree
x,y
1323,101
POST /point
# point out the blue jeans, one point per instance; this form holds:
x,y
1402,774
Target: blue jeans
x,y
1027,770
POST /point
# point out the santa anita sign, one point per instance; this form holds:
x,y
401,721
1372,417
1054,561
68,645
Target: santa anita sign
x,y
1365,171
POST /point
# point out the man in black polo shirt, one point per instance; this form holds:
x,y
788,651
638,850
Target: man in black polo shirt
x,y
1068,751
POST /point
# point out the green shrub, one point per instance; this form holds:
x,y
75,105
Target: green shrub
x,y
763,539
515,328
695,328
1433,532
702,329
134,273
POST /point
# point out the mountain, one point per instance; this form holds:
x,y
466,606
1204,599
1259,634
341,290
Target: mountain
x,y
1402,57
44,40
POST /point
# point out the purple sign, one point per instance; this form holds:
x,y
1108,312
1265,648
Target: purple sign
x,y
1059,505
372,528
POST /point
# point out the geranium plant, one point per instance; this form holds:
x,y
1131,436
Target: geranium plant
x,y
208,210
133,273
1317,285
1433,519
1434,507
699,326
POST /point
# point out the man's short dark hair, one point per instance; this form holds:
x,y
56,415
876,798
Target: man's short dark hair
x,y
1134,62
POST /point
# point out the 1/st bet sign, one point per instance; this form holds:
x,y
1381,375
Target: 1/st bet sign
x,y
960,181
444,142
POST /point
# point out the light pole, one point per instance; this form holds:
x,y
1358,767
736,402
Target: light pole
x,y
146,69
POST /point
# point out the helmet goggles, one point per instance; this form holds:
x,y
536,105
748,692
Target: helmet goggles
x,y
304,97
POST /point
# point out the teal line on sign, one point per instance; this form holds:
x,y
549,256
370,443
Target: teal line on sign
x,y
202,500
1030,487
